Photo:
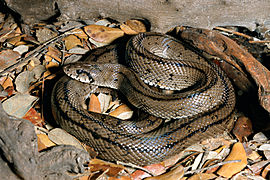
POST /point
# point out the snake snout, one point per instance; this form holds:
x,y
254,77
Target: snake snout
x,y
77,73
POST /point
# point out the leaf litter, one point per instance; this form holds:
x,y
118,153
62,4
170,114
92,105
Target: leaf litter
x,y
64,43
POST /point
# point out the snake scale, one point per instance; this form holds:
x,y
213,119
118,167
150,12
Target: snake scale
x,y
201,103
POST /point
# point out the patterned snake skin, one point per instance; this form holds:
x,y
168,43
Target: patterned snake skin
x,y
201,103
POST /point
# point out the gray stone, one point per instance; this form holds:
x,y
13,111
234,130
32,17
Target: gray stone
x,y
163,14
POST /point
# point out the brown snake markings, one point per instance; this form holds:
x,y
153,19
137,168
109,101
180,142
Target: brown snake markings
x,y
147,139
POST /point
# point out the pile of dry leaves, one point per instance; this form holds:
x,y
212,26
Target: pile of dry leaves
x,y
30,61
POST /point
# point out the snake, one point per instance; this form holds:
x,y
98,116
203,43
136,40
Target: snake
x,y
179,97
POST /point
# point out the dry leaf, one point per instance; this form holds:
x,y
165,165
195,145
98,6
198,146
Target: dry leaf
x,y
215,143
21,49
105,22
52,64
155,169
59,136
237,153
121,178
267,154
80,34
103,34
16,39
44,34
7,58
78,50
204,176
257,167
8,32
72,58
48,75
54,54
38,71
94,104
264,147
10,90
197,161
23,81
254,156
266,171
260,137
44,142
104,100
242,128
133,27
72,41
6,82
174,174
99,165
122,112
174,159
97,44
19,104
34,117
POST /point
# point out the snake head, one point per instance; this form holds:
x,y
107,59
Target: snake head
x,y
78,72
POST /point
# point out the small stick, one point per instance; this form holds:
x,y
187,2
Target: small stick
x,y
233,32
36,51
263,41
210,167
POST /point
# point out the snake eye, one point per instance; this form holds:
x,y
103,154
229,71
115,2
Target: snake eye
x,y
79,71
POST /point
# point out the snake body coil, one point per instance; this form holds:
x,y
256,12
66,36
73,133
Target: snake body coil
x,y
201,106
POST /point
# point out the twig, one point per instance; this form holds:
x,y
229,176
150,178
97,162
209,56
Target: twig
x,y
135,167
233,32
36,51
210,167
8,33
263,41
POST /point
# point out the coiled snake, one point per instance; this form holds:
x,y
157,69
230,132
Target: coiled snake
x,y
201,105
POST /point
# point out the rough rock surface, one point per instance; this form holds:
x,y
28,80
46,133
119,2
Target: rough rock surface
x,y
163,14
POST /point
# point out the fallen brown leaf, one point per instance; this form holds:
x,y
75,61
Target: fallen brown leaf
x,y
175,174
99,165
237,153
80,34
15,40
257,167
23,81
204,176
103,34
94,104
155,169
52,64
59,136
121,178
19,104
242,128
7,58
6,82
265,171
44,142
53,53
44,34
21,49
104,100
9,32
133,27
122,112
72,41
34,117
254,156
